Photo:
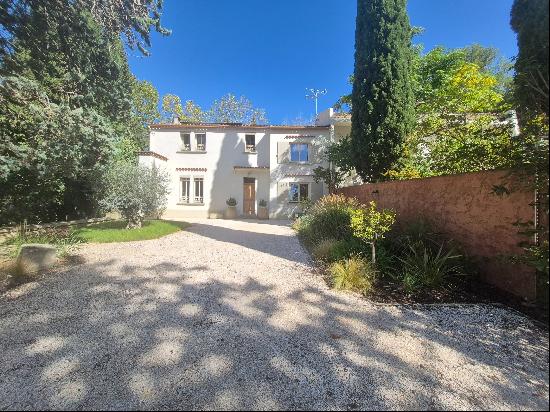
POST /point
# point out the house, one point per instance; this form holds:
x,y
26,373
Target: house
x,y
209,163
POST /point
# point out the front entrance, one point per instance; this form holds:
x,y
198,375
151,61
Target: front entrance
x,y
249,201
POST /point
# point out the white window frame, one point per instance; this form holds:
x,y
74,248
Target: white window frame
x,y
198,199
182,198
308,152
198,145
250,148
185,147
290,200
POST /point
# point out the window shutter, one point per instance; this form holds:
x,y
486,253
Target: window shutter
x,y
283,152
315,154
282,192
316,191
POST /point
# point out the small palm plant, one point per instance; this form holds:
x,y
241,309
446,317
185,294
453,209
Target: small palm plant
x,y
231,201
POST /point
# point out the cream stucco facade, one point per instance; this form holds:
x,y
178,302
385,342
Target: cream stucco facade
x,y
208,163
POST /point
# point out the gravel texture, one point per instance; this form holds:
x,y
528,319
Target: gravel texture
x,y
231,315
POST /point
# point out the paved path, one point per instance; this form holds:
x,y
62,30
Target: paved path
x,y
229,315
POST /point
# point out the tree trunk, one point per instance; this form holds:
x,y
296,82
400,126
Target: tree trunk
x,y
133,223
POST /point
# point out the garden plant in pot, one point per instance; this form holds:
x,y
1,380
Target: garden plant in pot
x,y
231,211
262,210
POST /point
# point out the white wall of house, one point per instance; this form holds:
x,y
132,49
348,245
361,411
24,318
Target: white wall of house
x,y
225,162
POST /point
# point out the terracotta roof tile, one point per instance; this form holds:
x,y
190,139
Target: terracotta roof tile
x,y
191,169
154,154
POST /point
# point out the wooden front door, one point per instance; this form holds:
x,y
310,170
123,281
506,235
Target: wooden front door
x,y
249,201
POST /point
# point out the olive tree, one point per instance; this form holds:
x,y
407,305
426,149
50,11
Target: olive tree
x,y
135,192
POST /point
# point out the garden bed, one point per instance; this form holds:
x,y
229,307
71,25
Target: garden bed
x,y
415,264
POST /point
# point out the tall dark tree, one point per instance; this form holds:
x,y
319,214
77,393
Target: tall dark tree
x,y
65,102
529,19
382,96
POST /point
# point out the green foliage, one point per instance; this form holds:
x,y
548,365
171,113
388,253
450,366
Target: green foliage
x,y
64,240
145,101
134,20
135,192
262,203
419,258
354,274
66,110
369,224
529,19
463,121
231,201
422,268
328,218
47,170
382,96
339,156
116,231
230,109
323,250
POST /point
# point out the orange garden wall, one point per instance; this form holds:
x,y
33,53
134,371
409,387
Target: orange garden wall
x,y
464,207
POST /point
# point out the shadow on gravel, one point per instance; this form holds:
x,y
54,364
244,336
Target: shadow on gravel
x,y
262,242
132,341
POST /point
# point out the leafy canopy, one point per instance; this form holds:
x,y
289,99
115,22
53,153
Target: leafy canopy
x,y
135,191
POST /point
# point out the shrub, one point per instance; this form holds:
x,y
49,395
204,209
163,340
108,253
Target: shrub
x,y
424,268
369,225
135,192
262,203
344,249
329,218
355,274
323,250
231,201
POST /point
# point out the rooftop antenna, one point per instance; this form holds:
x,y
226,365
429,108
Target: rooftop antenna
x,y
314,94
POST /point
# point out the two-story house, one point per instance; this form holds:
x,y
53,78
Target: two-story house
x,y
208,163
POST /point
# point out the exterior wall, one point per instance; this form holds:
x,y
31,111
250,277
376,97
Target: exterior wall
x,y
283,172
225,149
464,207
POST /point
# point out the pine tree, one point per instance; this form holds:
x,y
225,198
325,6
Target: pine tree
x,y
382,97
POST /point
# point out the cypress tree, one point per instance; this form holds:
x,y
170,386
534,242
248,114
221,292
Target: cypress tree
x,y
382,97
529,19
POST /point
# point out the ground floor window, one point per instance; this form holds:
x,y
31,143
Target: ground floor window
x,y
199,190
298,192
185,194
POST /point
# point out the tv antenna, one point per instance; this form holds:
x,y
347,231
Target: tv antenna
x,y
314,94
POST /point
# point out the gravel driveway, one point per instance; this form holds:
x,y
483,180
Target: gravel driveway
x,y
229,315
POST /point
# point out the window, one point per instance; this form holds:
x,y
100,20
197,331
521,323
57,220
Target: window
x,y
185,190
199,190
185,142
201,142
250,140
299,152
298,192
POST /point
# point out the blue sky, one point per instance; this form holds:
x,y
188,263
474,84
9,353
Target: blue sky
x,y
272,51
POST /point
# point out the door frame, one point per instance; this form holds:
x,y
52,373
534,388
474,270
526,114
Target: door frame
x,y
251,182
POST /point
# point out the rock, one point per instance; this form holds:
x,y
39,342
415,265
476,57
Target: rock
x,y
35,257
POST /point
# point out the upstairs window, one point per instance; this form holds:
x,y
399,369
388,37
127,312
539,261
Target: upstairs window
x,y
185,142
298,192
199,190
201,142
185,195
250,140
299,152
